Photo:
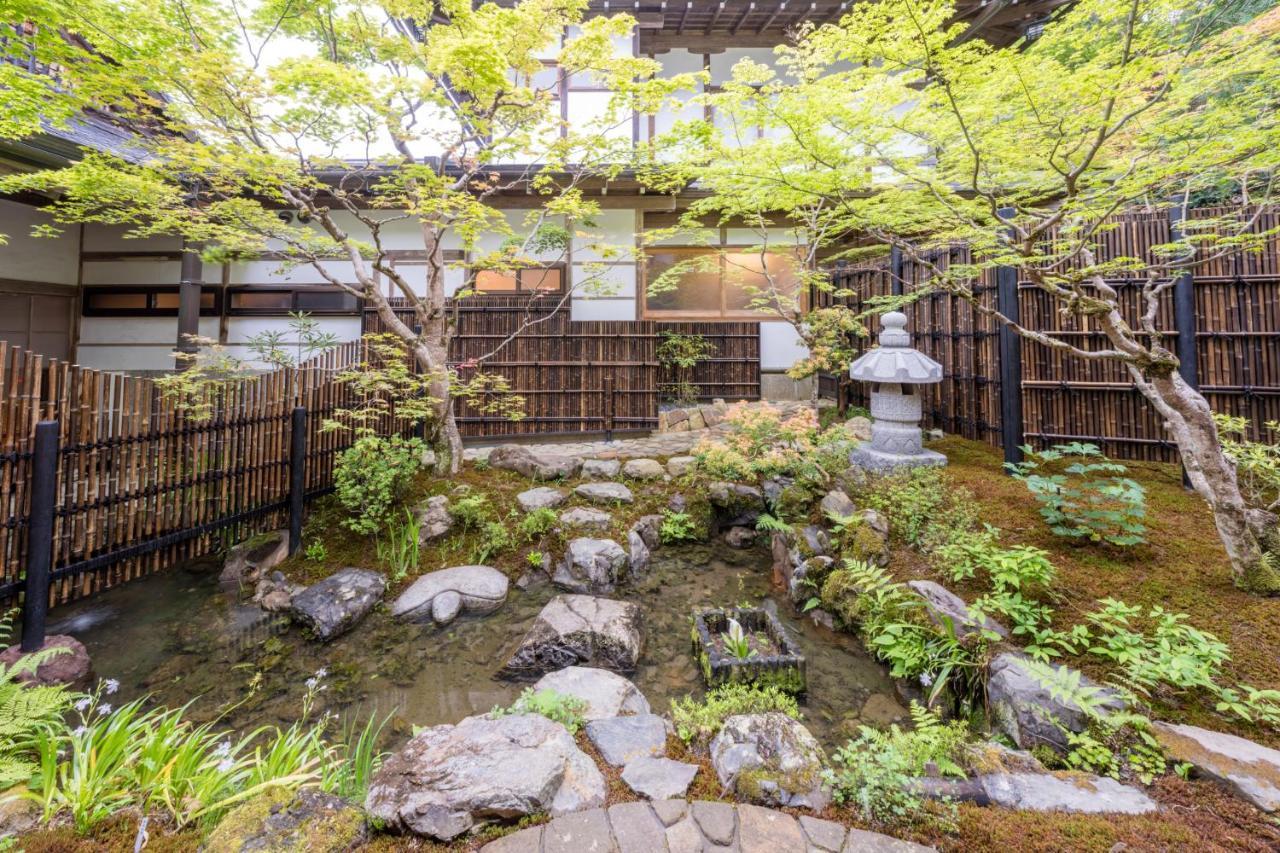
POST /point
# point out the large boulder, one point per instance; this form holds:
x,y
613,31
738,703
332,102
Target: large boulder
x,y
770,759
279,819
579,629
591,566
605,693
440,596
619,740
448,780
67,662
643,469
542,497
1026,711
642,538
336,604
942,605
537,463
736,503
249,561
434,519
1249,769
605,493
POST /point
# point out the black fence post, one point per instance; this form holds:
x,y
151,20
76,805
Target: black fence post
x,y
896,269
44,481
297,476
1011,426
608,408
1184,315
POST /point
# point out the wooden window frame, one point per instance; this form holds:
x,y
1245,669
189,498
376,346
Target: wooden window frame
x,y
148,290
473,272
725,316
294,291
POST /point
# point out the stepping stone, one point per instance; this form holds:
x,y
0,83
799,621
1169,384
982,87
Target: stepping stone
x,y
606,693
861,841
636,829
643,469
591,566
659,778
680,465
604,493
579,833
336,604
620,740
525,841
543,497
718,821
441,596
579,629
1078,793
823,834
582,516
1250,770
601,469
762,830
669,811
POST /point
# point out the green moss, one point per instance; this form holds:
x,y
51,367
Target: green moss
x,y
794,502
330,831
859,541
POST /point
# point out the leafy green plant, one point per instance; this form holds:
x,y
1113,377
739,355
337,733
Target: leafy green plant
x,y
565,710
736,642
471,511
1257,462
677,527
698,720
373,478
1089,499
398,546
28,713
316,552
534,559
680,354
1120,745
874,772
537,523
495,537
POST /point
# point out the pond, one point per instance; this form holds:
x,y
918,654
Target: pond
x,y
176,637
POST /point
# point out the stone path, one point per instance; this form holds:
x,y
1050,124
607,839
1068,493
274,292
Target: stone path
x,y
679,826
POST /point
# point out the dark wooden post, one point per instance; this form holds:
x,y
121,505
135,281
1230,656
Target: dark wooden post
x,y
189,284
1184,315
1011,426
44,481
896,270
297,476
608,408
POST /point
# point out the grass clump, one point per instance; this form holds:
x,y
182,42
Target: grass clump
x,y
698,721
566,710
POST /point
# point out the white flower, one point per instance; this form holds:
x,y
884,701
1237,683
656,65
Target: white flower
x,y
104,709
81,704
226,765
321,672
79,730
926,679
223,749
311,683
111,686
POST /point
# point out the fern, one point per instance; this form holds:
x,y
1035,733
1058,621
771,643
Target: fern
x,y
26,712
772,524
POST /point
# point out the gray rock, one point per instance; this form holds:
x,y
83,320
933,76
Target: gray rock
x,y
643,469
274,593
591,566
577,833
69,665
448,780
934,434
639,554
943,604
278,819
860,427
601,469
1079,793
659,778
736,503
670,811
678,466
776,758
837,504
250,561
823,834
542,497
767,831
740,537
480,590
862,841
582,516
774,487
623,739
525,841
579,629
636,829
1024,709
606,693
336,604
718,821
814,542
604,493
434,519
1250,770
537,463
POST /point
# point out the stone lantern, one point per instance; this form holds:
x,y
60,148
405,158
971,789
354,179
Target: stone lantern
x,y
894,370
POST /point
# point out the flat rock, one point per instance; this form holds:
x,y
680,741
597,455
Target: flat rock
x,y
718,821
69,666
336,604
943,604
579,629
584,832
525,841
770,759
670,811
448,780
606,693
643,469
249,561
862,841
678,466
1078,793
479,590
279,819
636,829
1249,769
1024,710
658,778
542,497
763,830
604,493
590,566
434,519
623,739
601,469
584,516
823,834
836,504
537,463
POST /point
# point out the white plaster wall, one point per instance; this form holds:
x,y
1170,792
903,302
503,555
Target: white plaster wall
x,y
241,329
133,343
676,62
132,272
110,238
780,346
53,260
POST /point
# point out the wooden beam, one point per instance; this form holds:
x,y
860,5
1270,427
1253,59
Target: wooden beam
x,y
778,10
684,17
715,19
751,7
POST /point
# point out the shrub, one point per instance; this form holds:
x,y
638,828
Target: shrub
x,y
760,443
1083,502
495,537
537,523
680,354
373,478
1257,463
874,772
565,710
677,527
698,721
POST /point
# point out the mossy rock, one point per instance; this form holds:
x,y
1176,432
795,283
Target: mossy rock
x,y
283,821
795,502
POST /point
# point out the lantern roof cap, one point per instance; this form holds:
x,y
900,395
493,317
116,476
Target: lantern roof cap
x,y
895,360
